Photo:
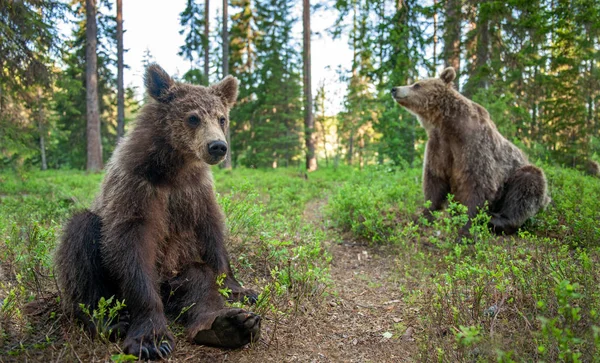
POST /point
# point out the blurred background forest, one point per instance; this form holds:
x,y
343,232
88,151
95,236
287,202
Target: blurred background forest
x,y
534,64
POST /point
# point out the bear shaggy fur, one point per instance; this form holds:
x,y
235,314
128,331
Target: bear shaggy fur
x,y
468,157
154,236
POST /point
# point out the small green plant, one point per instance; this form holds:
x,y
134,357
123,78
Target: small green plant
x,y
104,315
183,311
9,306
122,358
562,328
468,335
223,290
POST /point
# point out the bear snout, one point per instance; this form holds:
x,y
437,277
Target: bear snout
x,y
217,149
400,92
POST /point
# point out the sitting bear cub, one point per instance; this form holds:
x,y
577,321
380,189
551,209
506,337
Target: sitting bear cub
x,y
467,157
154,235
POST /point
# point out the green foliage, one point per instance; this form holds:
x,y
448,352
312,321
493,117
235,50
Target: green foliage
x,y
534,296
191,20
272,246
563,326
120,358
223,290
276,111
264,213
68,148
468,335
573,214
369,204
104,315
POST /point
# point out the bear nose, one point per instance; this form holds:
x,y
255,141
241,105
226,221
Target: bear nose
x,y
217,148
394,91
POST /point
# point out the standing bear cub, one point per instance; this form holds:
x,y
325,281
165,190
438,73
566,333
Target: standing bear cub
x,y
154,235
468,157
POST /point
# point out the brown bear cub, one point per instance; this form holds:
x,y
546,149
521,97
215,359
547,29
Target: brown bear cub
x,y
154,235
467,157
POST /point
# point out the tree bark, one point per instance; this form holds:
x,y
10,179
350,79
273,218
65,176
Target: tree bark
x,y
206,37
94,144
452,37
350,155
225,41
309,122
483,51
120,86
478,75
41,130
435,37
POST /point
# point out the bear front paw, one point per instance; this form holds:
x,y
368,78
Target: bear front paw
x,y
149,343
233,328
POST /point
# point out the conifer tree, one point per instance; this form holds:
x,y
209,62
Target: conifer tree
x,y
192,21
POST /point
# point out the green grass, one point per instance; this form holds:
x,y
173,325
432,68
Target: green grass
x,y
531,297
273,250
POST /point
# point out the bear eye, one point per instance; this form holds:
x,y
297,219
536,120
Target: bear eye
x,y
222,121
193,120
416,86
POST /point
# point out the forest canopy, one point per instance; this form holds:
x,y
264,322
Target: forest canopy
x,y
533,64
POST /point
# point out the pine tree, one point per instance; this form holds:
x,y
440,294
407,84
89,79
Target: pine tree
x,y
69,98
192,21
276,125
242,65
29,39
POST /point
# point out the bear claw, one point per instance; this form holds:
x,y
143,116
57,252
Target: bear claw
x,y
145,348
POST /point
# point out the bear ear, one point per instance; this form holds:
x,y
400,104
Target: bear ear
x,y
227,89
448,75
158,83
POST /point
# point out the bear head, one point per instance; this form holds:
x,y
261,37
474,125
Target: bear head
x,y
427,98
196,117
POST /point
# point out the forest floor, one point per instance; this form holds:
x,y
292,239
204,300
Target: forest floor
x,y
345,275
357,323
348,326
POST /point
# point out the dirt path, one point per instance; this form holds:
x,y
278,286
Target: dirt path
x,y
366,320
352,325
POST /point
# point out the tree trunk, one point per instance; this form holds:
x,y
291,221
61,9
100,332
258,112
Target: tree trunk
x,y
534,109
225,40
452,37
483,52
435,37
206,35
324,140
309,122
350,155
120,87
41,130
361,149
478,75
94,144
